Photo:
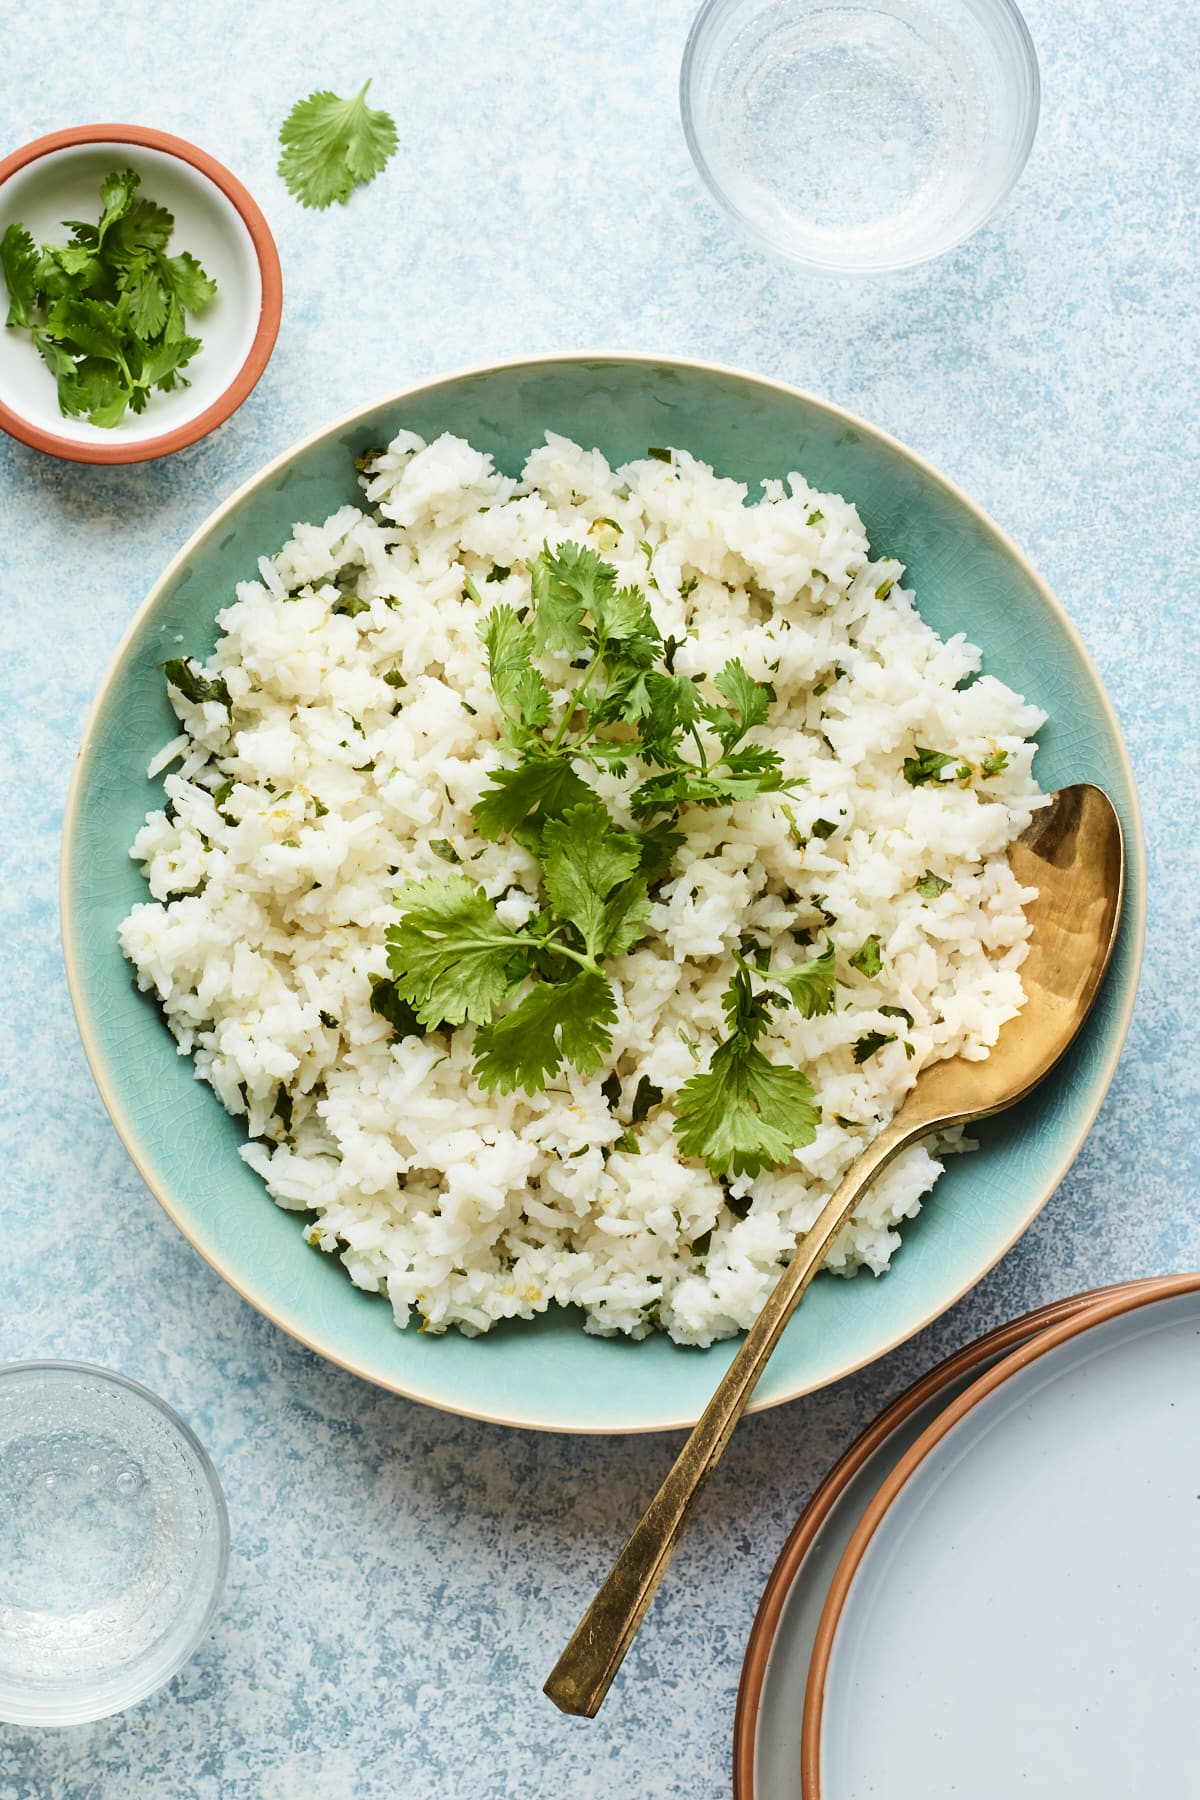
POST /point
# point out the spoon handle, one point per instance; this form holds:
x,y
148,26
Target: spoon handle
x,y
583,1673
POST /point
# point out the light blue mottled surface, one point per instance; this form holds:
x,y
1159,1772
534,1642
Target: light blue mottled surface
x,y
402,1580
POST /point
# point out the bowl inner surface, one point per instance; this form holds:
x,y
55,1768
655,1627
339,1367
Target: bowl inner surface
x,y
550,1373
65,184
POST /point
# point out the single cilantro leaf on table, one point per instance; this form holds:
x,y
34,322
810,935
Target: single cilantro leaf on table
x,y
556,1020
744,1114
812,984
331,145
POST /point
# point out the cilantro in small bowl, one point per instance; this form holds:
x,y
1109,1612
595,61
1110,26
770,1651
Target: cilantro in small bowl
x,y
139,289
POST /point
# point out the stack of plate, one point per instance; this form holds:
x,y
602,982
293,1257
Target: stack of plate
x,y
995,1591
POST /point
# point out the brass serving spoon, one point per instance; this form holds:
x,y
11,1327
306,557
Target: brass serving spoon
x,y
1074,855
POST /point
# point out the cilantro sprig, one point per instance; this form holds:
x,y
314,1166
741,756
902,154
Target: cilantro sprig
x,y
538,996
331,146
626,684
107,311
454,961
744,1113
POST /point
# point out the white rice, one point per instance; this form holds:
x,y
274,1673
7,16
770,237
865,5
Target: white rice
x,y
267,921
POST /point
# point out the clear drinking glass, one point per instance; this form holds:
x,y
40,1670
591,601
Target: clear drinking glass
x,y
114,1542
859,136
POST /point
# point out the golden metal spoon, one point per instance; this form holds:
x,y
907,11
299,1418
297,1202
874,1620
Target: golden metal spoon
x,y
1073,854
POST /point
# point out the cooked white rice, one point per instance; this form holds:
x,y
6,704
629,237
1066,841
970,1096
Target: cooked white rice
x,y
268,912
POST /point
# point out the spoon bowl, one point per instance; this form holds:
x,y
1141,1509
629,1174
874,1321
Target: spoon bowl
x,y
1073,854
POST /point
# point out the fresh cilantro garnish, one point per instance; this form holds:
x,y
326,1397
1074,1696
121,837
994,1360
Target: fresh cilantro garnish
x,y
871,1044
992,765
327,1019
823,828
931,885
399,1014
571,1019
926,765
500,572
395,679
744,1113
445,849
812,984
331,145
107,312
659,455
579,611
814,518
866,958
898,1012
645,1099
192,684
885,588
452,957
703,1244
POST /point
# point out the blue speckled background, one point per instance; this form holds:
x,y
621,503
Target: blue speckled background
x,y
401,1580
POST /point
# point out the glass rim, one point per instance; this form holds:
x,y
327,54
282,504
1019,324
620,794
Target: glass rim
x,y
117,1692
1026,119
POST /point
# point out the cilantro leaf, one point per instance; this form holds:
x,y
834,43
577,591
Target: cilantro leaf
x,y
331,145
192,684
571,1019
872,1044
117,193
19,259
659,842
750,701
387,1003
744,1113
565,585
866,958
926,765
450,955
993,765
107,311
587,868
645,1099
538,789
898,1012
519,687
185,279
812,984
931,885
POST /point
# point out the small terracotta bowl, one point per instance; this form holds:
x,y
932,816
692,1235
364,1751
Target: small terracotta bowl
x,y
58,177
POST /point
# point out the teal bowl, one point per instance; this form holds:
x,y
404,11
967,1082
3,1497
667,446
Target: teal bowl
x,y
550,1374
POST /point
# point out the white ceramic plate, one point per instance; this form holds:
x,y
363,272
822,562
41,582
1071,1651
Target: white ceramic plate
x,y
1016,1612
767,1727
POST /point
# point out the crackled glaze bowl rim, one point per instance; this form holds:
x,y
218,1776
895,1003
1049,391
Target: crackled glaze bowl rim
x,y
626,1410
